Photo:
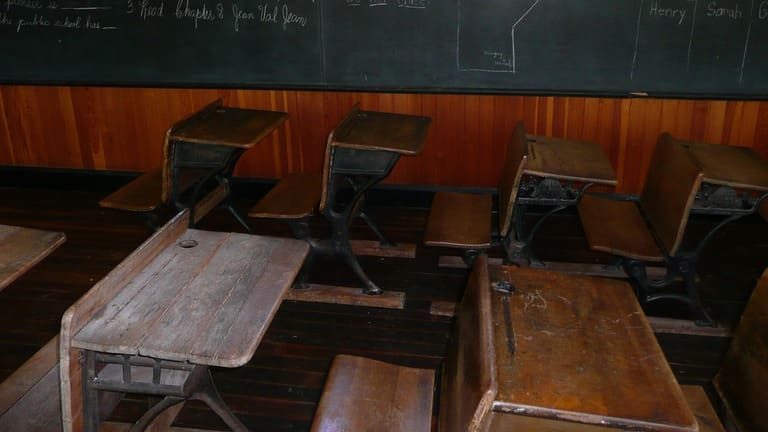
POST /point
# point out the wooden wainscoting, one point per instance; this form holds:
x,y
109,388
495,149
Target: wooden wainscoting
x,y
122,128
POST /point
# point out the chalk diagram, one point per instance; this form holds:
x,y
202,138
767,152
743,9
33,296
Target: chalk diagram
x,y
499,51
659,40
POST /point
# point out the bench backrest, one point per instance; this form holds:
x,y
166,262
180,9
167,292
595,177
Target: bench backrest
x,y
91,304
168,179
743,377
469,375
511,174
328,160
671,183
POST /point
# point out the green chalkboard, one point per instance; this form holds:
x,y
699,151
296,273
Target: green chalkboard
x,y
695,48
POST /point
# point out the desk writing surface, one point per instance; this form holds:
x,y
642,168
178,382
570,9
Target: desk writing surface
x,y
371,130
730,165
208,304
583,352
22,248
569,160
236,127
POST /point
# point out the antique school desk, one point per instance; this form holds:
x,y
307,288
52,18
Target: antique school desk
x,y
363,152
576,353
556,174
214,143
183,301
199,156
22,248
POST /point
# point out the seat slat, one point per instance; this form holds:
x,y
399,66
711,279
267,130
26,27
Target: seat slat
x,y
368,395
626,234
702,409
294,197
459,220
142,194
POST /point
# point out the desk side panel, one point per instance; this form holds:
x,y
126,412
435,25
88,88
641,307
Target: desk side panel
x,y
91,304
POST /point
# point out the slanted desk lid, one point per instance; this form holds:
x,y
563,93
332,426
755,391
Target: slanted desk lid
x,y
579,349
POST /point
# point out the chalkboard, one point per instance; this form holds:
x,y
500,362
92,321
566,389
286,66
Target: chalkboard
x,y
699,48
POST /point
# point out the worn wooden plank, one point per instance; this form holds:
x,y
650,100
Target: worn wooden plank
x,y
39,410
22,248
132,313
255,311
29,374
319,293
228,272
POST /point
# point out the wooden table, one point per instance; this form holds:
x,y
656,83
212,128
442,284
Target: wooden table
x,y
22,248
576,353
185,300
209,144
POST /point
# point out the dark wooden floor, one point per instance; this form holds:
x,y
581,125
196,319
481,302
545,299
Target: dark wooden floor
x,y
279,388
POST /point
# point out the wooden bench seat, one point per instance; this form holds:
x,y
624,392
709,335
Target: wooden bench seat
x,y
459,220
21,248
143,194
368,395
463,221
390,397
29,398
625,234
294,197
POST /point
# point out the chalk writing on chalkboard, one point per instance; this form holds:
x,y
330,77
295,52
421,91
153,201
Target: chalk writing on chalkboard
x,y
675,47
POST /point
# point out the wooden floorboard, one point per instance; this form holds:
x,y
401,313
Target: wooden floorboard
x,y
280,387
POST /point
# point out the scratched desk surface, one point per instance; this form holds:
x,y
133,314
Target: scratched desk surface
x,y
580,349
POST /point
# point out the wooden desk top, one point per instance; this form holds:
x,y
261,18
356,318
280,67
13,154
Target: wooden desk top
x,y
372,130
732,166
583,161
583,352
208,304
22,248
234,127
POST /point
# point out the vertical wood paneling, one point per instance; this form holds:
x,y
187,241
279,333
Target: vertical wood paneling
x,y
123,128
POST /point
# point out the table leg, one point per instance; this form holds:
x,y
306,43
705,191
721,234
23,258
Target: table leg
x,y
206,392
